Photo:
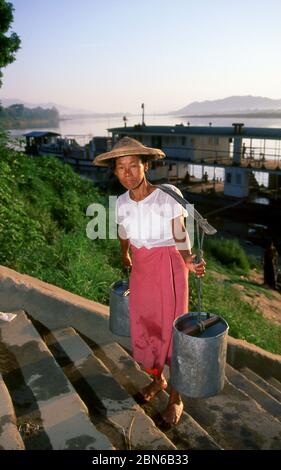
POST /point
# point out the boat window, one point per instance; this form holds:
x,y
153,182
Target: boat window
x,y
228,177
238,178
214,140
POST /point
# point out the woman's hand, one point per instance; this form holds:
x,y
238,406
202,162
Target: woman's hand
x,y
126,260
196,268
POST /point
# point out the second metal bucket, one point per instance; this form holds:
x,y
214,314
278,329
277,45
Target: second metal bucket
x,y
119,321
198,362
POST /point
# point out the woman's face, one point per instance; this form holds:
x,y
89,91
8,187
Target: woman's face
x,y
130,171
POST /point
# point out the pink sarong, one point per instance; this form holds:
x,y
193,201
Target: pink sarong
x,y
158,295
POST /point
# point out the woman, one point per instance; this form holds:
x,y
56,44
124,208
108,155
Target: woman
x,y
270,265
155,244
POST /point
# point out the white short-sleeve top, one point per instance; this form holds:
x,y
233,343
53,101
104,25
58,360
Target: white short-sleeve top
x,y
148,222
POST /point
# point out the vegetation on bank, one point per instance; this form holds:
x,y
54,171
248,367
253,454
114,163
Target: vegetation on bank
x,y
43,233
9,41
18,116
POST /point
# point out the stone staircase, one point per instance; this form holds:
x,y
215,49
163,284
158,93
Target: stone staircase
x,y
61,390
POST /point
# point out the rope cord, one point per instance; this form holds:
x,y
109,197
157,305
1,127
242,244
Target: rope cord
x,y
199,258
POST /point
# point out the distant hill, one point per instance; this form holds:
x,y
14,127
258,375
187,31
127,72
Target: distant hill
x,y
231,104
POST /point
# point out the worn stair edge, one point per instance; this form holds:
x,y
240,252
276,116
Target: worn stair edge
x,y
188,434
120,408
235,420
275,383
240,354
266,401
44,399
10,438
265,385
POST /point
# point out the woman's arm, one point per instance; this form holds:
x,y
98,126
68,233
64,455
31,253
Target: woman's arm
x,y
182,240
124,245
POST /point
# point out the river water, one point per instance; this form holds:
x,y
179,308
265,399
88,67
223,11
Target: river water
x,y
89,127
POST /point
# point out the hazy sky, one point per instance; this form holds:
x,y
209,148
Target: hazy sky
x,y
112,55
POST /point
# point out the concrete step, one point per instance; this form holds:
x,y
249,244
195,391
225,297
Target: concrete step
x,y
266,401
275,383
235,420
120,409
50,414
188,434
262,383
10,438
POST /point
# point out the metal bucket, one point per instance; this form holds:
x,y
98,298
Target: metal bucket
x,y
198,362
119,320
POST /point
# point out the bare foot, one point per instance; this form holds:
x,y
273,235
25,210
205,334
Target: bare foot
x,y
152,389
173,413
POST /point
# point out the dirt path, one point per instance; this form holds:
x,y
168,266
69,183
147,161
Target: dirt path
x,y
270,307
267,302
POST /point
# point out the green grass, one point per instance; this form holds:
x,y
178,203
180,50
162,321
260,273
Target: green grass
x,y
43,233
245,321
229,253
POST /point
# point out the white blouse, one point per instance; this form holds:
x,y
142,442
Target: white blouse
x,y
148,222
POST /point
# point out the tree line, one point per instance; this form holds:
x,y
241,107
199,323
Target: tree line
x,y
18,116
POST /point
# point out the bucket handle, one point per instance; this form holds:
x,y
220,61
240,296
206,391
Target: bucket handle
x,y
127,270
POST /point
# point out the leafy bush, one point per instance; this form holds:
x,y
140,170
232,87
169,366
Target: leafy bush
x,y
228,252
40,198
